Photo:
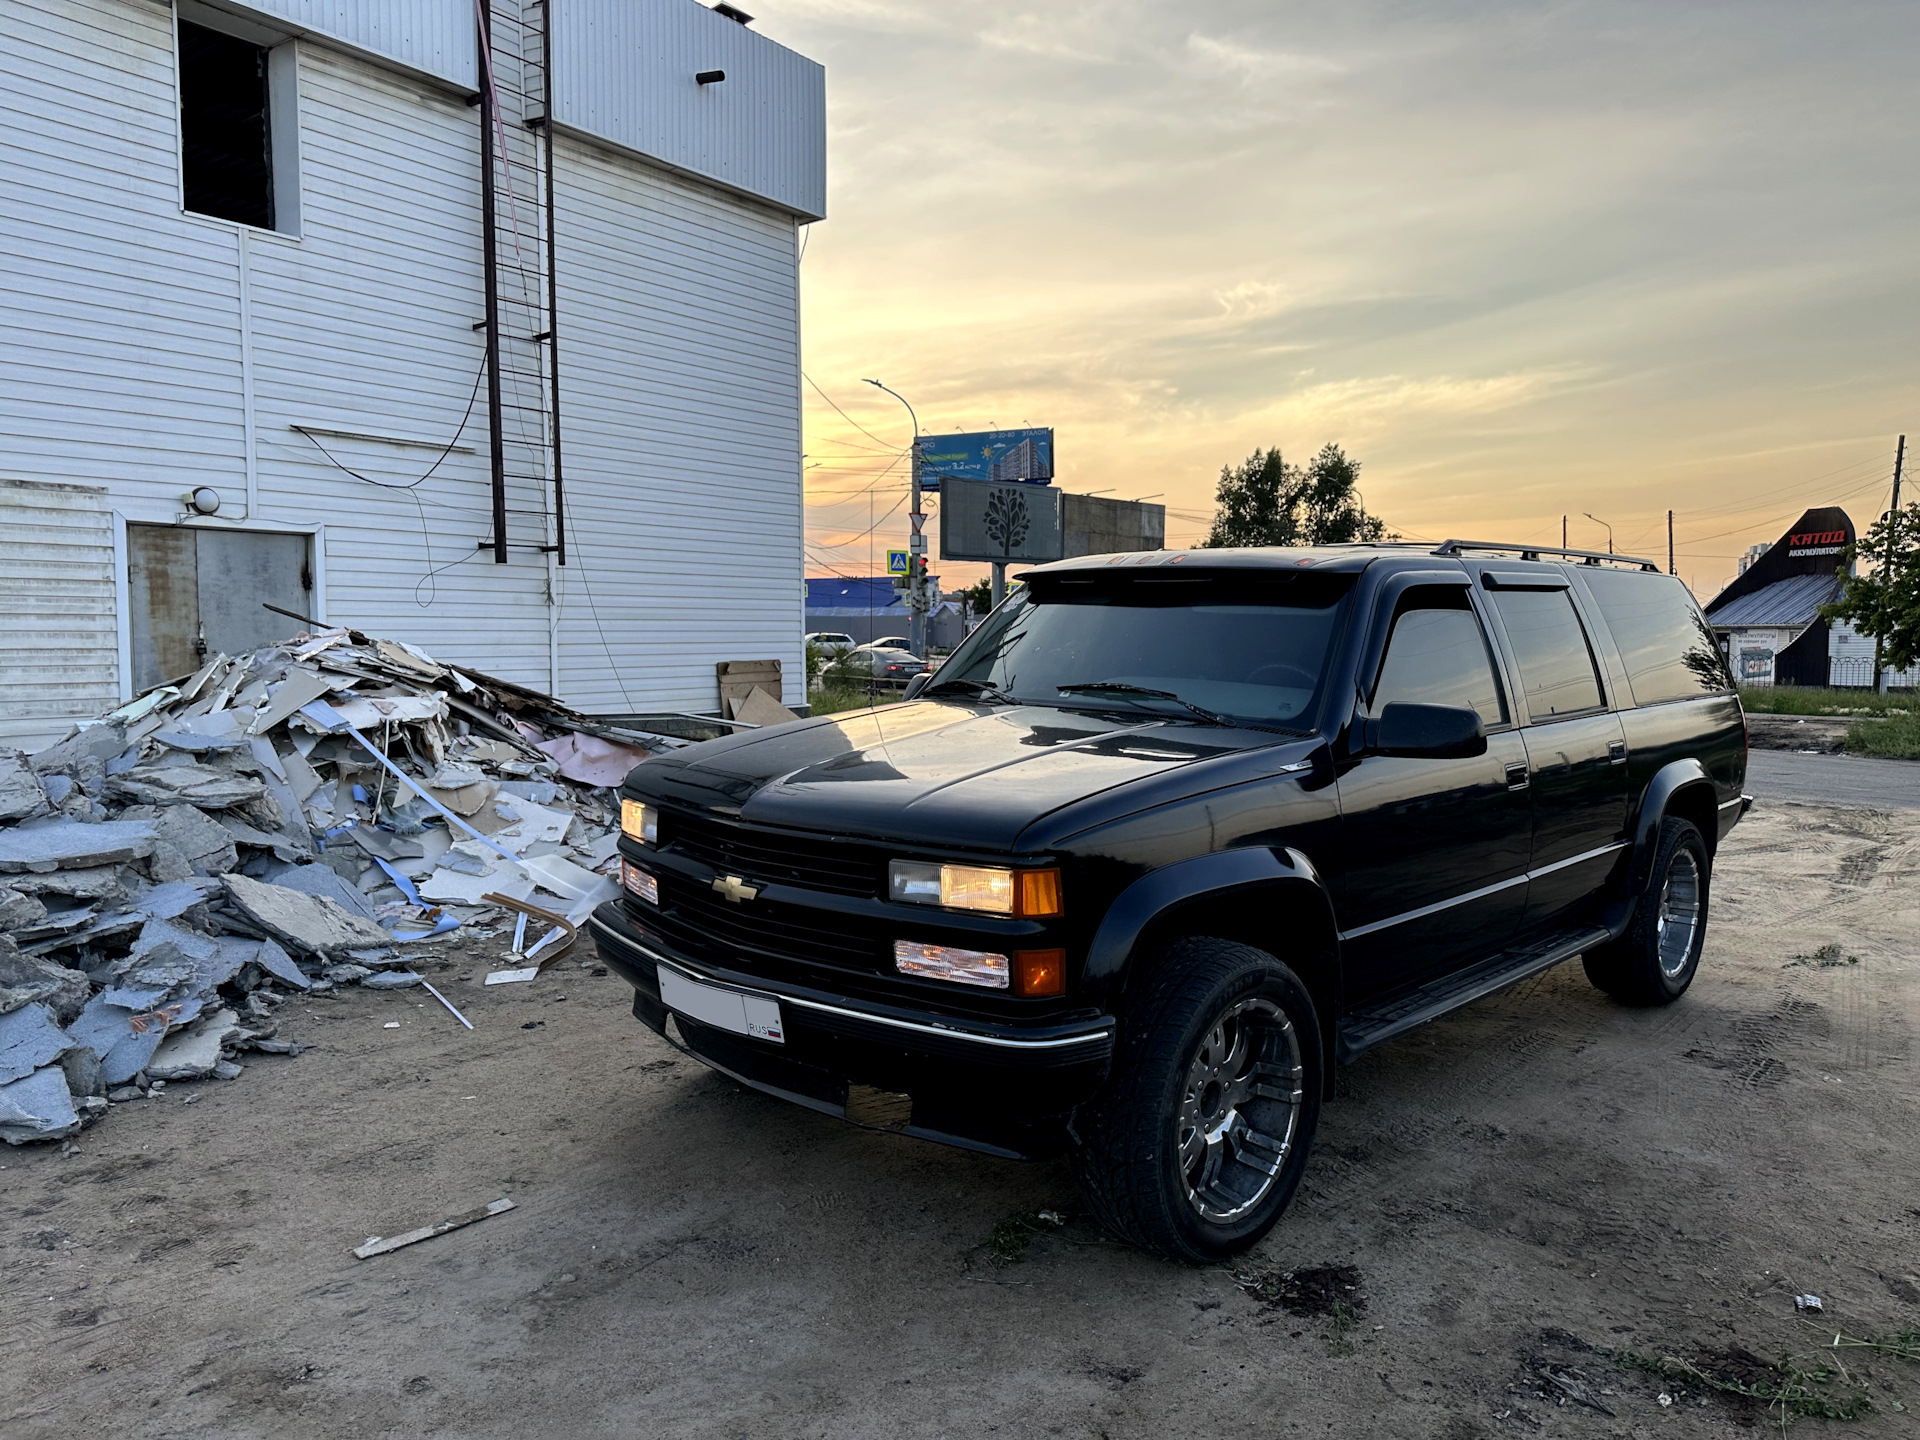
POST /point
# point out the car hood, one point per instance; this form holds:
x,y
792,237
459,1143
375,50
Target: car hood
x,y
964,775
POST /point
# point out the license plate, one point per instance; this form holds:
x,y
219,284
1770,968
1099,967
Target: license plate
x,y
735,1010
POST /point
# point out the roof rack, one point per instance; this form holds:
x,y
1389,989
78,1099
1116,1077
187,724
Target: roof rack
x,y
1534,552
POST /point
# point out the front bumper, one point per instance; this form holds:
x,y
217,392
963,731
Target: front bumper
x,y
1002,1089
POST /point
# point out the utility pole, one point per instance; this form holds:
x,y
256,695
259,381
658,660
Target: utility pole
x,y
1893,533
916,543
1563,532
1670,569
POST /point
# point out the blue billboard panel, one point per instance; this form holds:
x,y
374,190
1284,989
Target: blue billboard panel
x,y
1022,455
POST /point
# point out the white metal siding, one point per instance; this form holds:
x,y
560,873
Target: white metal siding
x,y
623,71
119,331
435,37
59,646
123,358
366,325
680,374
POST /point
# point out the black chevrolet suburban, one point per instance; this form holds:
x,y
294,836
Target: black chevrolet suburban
x,y
1172,833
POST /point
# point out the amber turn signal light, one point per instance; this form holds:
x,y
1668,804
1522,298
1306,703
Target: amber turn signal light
x,y
1039,894
1039,972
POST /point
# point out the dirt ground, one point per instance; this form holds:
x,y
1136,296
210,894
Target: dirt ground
x,y
1524,1195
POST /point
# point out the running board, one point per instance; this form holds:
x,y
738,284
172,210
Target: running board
x,y
1377,1024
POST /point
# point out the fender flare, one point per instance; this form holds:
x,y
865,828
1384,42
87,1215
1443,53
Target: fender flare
x,y
1153,894
1668,781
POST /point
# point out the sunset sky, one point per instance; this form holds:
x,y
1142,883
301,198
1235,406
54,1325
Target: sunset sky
x,y
1520,260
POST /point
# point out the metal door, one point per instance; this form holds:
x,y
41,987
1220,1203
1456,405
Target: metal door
x,y
196,592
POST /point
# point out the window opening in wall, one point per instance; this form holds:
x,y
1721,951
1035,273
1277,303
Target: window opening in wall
x,y
226,135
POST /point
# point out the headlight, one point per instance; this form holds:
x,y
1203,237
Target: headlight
x,y
991,889
640,822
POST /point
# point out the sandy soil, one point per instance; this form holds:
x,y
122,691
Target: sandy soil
x,y
1521,1188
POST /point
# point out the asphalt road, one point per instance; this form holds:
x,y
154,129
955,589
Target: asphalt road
x,y
1849,780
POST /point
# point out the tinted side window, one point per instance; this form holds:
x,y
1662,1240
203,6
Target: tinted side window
x,y
1438,656
1556,666
1668,648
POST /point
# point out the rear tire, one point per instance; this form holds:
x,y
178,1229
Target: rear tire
x,y
1654,962
1199,1138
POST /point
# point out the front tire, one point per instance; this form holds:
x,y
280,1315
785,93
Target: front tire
x,y
1655,961
1199,1138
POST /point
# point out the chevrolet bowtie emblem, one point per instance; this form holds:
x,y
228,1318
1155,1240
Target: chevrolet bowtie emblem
x,y
734,888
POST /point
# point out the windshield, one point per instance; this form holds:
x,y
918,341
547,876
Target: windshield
x,y
1248,647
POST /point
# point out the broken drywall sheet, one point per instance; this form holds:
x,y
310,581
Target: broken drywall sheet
x,y
30,1038
311,924
37,1107
68,843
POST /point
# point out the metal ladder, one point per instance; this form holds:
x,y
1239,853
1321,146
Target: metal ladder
x,y
523,386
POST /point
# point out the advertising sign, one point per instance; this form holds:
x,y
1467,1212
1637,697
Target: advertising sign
x,y
1025,456
1004,522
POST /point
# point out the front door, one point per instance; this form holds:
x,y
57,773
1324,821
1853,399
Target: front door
x,y
195,592
1435,852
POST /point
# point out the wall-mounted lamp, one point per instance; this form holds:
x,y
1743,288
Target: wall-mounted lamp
x,y
203,500
710,77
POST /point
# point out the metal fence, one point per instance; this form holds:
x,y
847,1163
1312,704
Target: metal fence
x,y
1855,674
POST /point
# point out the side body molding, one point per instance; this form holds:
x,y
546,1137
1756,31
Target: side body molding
x,y
1667,782
1154,894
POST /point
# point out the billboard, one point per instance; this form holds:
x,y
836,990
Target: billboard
x,y
1025,456
1096,525
999,522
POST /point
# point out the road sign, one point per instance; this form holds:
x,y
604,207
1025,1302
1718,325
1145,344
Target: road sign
x,y
896,562
917,543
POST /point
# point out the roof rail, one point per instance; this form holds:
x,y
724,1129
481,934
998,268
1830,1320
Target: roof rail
x,y
1534,552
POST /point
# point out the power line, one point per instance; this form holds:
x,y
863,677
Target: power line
x,y
843,414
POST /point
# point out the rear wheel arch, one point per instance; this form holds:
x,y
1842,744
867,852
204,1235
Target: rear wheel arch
x,y
1681,789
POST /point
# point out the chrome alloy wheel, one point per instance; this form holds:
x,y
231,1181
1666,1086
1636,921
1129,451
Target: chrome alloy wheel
x,y
1679,913
1239,1109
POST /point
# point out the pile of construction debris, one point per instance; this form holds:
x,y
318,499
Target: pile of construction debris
x,y
300,818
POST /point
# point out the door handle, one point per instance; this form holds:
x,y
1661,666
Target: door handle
x,y
1616,752
1517,777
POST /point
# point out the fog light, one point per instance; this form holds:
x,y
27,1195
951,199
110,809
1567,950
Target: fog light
x,y
945,962
639,882
1039,972
640,822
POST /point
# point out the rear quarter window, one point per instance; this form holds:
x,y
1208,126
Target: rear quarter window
x,y
1664,640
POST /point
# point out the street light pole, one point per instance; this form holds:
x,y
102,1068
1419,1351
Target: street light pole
x,y
1598,521
916,543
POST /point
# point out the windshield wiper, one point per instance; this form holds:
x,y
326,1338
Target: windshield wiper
x,y
985,689
1121,688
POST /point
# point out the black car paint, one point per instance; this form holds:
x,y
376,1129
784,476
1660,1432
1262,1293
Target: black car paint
x,y
1163,824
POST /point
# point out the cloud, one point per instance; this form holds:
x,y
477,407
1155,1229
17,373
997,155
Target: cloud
x,y
1522,260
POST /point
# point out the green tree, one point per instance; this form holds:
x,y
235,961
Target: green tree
x,y
1265,501
1886,603
979,597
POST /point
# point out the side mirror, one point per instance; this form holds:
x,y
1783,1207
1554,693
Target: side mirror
x,y
918,683
1430,732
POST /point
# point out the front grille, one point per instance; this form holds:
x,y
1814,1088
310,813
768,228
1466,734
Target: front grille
x,y
699,920
815,862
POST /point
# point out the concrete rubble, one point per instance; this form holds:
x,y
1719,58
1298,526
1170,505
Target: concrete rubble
x,y
311,815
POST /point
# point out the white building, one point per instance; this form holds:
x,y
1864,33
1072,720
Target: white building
x,y
246,255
